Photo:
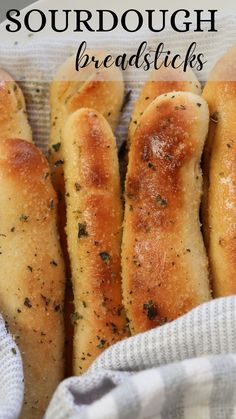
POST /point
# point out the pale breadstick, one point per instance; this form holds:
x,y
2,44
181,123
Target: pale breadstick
x,y
219,207
161,81
165,268
94,220
13,118
31,270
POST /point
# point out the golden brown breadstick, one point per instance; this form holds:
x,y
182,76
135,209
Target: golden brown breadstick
x,y
102,90
165,80
94,220
164,262
13,118
31,270
219,206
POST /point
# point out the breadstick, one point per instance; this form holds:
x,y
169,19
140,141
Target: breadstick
x,y
164,263
165,80
94,219
102,90
13,118
31,270
219,209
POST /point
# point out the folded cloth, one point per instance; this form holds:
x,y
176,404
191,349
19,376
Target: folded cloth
x,y
184,369
11,375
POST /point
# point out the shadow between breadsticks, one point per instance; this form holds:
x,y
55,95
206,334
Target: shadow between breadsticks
x,y
94,222
31,270
219,204
164,80
164,263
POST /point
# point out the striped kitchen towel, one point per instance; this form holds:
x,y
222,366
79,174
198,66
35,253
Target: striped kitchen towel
x,y
11,375
183,370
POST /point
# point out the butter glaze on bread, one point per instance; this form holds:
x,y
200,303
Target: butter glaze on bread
x,y
103,90
13,118
164,263
31,270
164,80
219,205
94,221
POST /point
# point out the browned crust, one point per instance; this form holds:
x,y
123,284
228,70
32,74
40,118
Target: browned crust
x,y
164,80
32,270
94,219
219,220
163,258
102,90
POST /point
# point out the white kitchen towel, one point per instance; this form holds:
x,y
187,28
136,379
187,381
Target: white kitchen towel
x,y
11,375
183,370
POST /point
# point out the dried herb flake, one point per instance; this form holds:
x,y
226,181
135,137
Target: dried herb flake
x,y
105,256
27,302
82,230
56,147
161,201
150,309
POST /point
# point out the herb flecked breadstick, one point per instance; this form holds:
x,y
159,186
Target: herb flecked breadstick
x,y
31,270
13,118
102,90
219,204
164,263
94,221
164,80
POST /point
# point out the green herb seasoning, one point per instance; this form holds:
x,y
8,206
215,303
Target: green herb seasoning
x,y
150,310
101,344
161,201
53,263
151,166
77,187
56,147
27,302
180,107
59,163
105,256
75,317
24,218
82,230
